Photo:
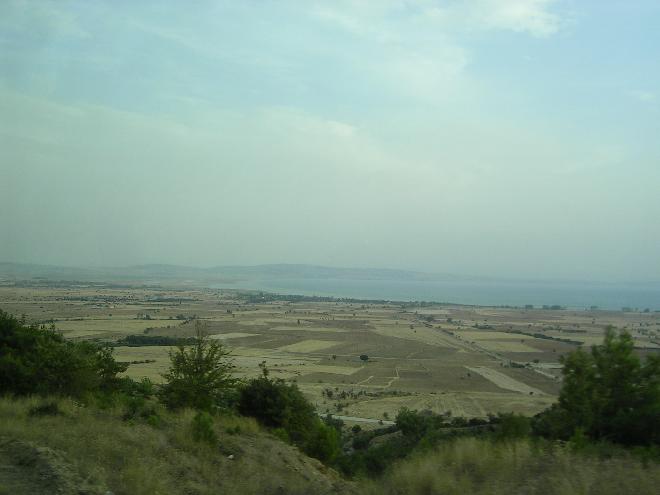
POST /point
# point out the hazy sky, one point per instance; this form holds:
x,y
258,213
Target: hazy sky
x,y
515,138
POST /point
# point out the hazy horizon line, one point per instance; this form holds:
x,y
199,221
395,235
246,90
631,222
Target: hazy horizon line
x,y
460,276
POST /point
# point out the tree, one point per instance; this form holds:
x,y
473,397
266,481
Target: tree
x,y
608,394
200,375
39,360
411,423
364,357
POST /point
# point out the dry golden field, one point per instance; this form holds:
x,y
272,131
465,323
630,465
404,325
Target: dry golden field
x,y
470,361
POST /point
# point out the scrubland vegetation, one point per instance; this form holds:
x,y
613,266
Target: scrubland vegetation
x,y
203,430
477,466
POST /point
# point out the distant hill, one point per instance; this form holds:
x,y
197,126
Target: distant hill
x,y
161,272
316,271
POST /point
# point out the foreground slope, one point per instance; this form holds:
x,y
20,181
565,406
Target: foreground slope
x,y
87,450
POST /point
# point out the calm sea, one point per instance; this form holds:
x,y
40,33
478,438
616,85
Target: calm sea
x,y
496,293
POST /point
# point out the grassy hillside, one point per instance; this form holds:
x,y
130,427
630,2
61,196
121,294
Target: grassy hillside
x,y
86,450
477,466
89,450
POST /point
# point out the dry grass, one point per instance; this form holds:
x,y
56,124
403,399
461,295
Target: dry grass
x,y
504,381
109,327
232,335
473,466
310,345
135,458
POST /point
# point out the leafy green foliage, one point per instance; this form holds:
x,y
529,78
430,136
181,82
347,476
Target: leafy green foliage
x,y
48,408
199,376
138,407
413,424
376,451
282,406
202,428
322,442
607,395
512,426
277,404
38,360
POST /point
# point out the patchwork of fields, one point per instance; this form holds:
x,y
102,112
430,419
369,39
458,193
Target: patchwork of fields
x,y
469,361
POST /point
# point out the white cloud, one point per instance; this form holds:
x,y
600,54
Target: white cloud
x,y
643,96
527,16
534,17
421,53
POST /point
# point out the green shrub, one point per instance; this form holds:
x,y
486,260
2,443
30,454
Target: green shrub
x,y
281,434
411,423
137,407
361,440
49,408
276,404
512,426
323,443
202,428
282,407
40,361
233,430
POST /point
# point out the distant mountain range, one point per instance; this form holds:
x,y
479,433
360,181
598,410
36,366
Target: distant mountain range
x,y
154,273
205,277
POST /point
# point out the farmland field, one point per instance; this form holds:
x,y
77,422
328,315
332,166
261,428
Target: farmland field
x,y
466,360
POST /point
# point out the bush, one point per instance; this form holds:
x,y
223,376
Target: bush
x,y
283,407
411,423
512,426
50,408
202,428
137,407
323,443
40,361
276,404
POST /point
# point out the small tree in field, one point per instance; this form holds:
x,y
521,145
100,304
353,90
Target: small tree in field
x,y
199,375
364,358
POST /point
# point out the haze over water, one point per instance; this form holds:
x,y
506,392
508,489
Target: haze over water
x,y
578,295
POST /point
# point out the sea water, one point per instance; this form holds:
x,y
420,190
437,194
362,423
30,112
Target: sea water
x,y
484,293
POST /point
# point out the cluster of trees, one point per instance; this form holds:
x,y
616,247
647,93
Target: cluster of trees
x,y
147,340
38,360
608,394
